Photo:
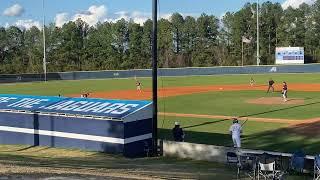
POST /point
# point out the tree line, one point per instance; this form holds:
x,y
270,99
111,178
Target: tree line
x,y
182,41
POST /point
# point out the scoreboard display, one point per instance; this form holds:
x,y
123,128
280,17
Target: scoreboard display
x,y
289,55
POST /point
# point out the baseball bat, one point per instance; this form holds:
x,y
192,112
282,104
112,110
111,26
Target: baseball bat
x,y
244,122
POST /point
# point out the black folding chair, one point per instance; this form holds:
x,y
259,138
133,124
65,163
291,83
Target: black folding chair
x,y
248,165
233,159
316,169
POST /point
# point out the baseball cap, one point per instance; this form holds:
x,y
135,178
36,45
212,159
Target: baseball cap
x,y
176,123
235,120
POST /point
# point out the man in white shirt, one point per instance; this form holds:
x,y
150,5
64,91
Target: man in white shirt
x,y
235,131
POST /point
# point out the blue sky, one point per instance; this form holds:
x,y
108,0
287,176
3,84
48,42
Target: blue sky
x,y
26,13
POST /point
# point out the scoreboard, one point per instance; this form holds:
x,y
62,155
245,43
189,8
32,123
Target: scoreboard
x,y
289,55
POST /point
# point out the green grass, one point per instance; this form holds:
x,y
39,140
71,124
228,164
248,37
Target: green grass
x,y
71,87
256,135
24,162
260,135
33,161
234,104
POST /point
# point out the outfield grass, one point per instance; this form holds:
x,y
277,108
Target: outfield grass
x,y
257,135
71,87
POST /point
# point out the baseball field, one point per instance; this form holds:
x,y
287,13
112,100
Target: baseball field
x,y
204,106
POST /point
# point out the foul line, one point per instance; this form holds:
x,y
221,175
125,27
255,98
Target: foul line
x,y
286,121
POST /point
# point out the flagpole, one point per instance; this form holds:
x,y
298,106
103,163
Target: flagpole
x,y
258,54
44,45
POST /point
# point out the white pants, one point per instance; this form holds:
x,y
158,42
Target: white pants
x,y
236,142
284,94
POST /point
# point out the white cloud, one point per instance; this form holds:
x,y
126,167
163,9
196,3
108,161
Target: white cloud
x,y
61,19
93,15
96,14
136,16
14,10
27,24
296,3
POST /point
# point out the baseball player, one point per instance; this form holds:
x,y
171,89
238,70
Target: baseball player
x,y
270,85
138,84
235,131
84,95
177,132
251,81
284,91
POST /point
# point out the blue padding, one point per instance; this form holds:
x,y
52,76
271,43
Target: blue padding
x,y
16,138
79,106
137,128
20,120
138,149
80,144
82,126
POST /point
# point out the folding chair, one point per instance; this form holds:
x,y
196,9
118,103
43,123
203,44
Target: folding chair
x,y
316,170
267,171
297,161
233,159
248,165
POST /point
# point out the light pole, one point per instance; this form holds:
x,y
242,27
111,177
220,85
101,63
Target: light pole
x,y
44,45
258,47
154,79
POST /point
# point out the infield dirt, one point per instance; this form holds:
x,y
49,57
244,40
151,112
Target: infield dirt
x,y
146,94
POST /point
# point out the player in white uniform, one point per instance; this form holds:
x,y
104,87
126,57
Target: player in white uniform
x,y
235,131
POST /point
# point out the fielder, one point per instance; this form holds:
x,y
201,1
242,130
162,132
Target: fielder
x,y
84,95
251,81
235,131
138,85
284,91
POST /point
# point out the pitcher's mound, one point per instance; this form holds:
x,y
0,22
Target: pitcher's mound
x,y
274,100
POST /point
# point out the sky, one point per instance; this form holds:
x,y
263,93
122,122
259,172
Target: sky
x,y
28,13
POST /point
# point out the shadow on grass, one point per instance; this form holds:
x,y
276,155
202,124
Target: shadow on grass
x,y
200,137
282,140
100,162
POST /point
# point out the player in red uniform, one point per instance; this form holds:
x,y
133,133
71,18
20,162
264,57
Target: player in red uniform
x,y
284,91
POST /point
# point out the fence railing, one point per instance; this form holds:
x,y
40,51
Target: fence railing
x,y
191,71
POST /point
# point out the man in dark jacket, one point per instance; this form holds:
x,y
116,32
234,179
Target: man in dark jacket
x,y
177,132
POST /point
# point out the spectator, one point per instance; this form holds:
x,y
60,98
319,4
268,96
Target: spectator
x,y
178,134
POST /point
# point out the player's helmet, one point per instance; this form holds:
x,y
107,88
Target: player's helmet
x,y
235,120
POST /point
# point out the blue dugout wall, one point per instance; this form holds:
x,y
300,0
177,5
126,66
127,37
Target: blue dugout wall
x,y
307,68
112,126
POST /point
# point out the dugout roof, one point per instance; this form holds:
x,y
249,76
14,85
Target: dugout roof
x,y
115,109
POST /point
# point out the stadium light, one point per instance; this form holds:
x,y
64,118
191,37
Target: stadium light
x,y
258,47
44,44
154,79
